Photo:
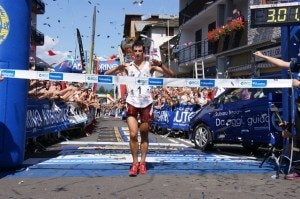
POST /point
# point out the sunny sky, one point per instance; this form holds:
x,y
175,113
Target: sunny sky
x,y
62,17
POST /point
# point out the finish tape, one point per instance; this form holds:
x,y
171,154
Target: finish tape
x,y
157,81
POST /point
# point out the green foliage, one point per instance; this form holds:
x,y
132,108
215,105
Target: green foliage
x,y
103,90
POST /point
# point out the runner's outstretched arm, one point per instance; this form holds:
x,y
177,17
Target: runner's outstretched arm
x,y
119,69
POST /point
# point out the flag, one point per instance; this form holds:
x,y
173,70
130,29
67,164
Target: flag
x,y
51,53
81,50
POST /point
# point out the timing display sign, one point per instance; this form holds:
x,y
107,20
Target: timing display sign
x,y
272,15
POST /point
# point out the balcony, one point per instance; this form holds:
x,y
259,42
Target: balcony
x,y
38,7
205,48
36,37
194,51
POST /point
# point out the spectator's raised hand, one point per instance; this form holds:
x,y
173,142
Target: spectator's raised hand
x,y
258,53
296,83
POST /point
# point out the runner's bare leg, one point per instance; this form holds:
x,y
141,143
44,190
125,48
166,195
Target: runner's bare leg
x,y
133,142
144,131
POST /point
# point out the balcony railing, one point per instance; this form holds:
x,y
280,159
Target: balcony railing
x,y
194,8
194,51
202,49
37,38
38,7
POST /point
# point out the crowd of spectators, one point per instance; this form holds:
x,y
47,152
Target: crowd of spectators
x,y
81,97
174,96
71,92
166,97
86,99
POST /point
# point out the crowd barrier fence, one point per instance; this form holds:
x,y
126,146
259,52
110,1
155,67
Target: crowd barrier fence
x,y
173,121
45,116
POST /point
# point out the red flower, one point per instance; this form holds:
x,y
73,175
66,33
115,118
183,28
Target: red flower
x,y
215,34
236,25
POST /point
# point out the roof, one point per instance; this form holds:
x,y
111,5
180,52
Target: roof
x,y
150,18
140,25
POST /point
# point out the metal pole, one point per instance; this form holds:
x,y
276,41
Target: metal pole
x,y
169,59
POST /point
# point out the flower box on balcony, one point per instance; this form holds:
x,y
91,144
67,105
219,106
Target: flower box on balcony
x,y
215,34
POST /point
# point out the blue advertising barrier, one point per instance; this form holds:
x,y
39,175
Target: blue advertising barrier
x,y
160,118
14,54
181,116
107,65
174,119
44,116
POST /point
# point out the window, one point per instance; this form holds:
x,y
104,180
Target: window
x,y
170,32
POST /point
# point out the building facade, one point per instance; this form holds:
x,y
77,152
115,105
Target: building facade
x,y
158,33
210,43
36,37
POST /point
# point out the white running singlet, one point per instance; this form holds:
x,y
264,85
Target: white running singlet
x,y
139,96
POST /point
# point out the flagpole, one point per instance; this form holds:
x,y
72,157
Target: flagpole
x,y
122,61
91,70
169,59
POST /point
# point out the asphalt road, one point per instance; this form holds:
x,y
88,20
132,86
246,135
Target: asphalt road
x,y
97,167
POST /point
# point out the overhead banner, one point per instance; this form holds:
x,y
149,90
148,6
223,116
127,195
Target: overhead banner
x,y
107,65
176,82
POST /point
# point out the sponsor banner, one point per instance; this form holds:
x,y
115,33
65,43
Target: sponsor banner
x,y
44,116
78,66
105,79
174,82
107,65
156,81
161,117
207,83
259,83
43,75
177,119
245,83
193,83
141,81
56,76
91,78
181,116
8,73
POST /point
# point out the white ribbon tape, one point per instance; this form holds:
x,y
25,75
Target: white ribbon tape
x,y
173,82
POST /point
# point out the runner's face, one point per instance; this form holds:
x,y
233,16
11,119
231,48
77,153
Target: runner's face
x,y
138,52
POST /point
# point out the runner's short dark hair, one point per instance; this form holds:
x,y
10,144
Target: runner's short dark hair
x,y
138,42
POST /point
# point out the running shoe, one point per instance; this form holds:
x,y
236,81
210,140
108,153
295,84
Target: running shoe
x,y
133,170
143,169
292,176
